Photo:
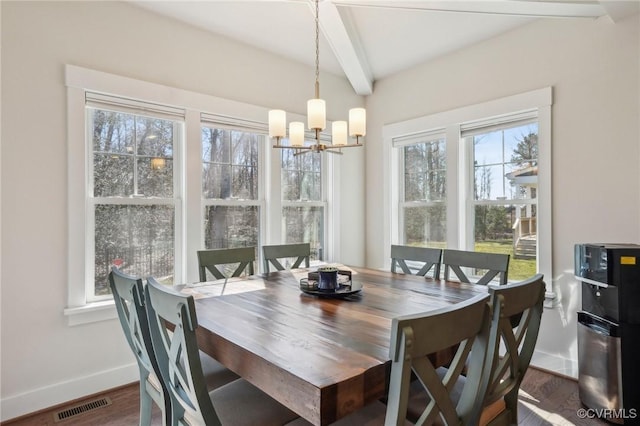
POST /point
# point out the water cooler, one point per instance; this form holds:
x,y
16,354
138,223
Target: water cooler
x,y
609,330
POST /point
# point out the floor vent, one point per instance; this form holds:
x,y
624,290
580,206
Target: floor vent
x,y
76,410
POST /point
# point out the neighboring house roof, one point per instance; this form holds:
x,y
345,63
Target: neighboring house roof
x,y
527,176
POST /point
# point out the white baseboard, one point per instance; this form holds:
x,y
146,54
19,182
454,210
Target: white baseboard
x,y
555,364
60,393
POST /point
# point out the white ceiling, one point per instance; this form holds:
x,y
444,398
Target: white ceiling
x,y
366,40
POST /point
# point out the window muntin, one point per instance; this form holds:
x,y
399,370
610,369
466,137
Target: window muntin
x,y
132,200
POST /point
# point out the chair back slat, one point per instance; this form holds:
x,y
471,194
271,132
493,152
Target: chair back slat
x,y
273,253
495,264
430,258
413,337
128,295
173,323
517,313
209,260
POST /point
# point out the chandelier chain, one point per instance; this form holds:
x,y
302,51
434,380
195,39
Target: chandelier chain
x,y
317,51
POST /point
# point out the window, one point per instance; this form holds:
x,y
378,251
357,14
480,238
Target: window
x,y
476,178
133,194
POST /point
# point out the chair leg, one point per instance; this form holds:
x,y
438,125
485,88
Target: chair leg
x,y
511,402
146,404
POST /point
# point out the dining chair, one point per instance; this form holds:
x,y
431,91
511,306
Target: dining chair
x,y
495,264
413,337
128,294
210,260
429,257
517,312
274,253
173,323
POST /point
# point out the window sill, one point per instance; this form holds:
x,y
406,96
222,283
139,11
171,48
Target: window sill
x,y
91,312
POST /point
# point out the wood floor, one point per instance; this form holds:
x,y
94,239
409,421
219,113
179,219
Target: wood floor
x,y
545,399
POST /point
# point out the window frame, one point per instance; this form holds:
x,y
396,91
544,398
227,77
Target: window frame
x,y
458,172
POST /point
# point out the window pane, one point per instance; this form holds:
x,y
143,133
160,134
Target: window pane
x,y
154,137
113,131
119,168
112,175
425,171
231,226
137,239
230,164
509,229
304,224
155,177
505,163
301,176
426,226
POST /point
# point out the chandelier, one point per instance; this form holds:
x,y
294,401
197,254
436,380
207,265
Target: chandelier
x,y
316,120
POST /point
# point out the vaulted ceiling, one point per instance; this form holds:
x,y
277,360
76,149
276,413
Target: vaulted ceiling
x,y
366,40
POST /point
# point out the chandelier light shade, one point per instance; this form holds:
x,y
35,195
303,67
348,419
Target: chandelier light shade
x,y
317,120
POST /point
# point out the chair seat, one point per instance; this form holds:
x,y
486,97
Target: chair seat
x,y
239,403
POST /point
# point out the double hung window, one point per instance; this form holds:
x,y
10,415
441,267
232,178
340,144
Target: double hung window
x,y
133,191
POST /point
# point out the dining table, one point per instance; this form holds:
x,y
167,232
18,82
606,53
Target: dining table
x,y
321,355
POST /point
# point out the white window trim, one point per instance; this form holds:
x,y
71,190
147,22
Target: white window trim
x,y
78,80
541,100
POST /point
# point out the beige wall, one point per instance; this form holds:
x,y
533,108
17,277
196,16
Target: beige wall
x,y
593,67
44,361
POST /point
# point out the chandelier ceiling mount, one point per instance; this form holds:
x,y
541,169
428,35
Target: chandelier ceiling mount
x,y
316,119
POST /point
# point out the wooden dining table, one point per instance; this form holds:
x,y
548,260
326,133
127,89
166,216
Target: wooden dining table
x,y
321,357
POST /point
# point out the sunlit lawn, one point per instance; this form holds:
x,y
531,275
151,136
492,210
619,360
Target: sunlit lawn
x,y
519,269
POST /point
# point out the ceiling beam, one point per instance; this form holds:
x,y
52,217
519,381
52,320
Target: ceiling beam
x,y
345,44
618,10
530,8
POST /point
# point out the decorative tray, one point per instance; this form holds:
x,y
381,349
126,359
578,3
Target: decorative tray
x,y
345,286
